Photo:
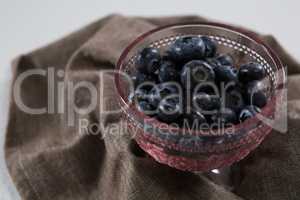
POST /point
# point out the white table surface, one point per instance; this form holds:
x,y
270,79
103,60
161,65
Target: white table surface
x,y
26,25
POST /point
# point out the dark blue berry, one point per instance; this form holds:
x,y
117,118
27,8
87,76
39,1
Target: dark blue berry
x,y
166,58
167,72
226,74
186,48
148,60
210,46
234,99
208,88
196,72
212,62
161,91
248,112
141,78
194,119
225,59
256,94
206,103
169,109
141,94
225,116
259,99
250,72
146,107
141,98
220,60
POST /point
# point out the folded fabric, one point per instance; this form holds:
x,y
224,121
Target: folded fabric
x,y
49,159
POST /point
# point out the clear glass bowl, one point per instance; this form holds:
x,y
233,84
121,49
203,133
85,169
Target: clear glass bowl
x,y
200,150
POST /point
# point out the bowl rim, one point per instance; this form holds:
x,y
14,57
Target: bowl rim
x,y
244,32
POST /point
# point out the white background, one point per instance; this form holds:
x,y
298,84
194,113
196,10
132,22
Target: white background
x,y
28,24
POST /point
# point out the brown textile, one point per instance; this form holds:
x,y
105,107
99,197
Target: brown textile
x,y
49,160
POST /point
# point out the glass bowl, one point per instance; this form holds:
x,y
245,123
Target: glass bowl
x,y
200,150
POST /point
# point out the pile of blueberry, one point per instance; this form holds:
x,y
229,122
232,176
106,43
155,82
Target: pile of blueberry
x,y
191,81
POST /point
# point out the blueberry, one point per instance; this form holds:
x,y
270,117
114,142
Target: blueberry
x,y
175,54
206,103
146,108
208,88
250,72
212,62
167,72
194,119
225,59
141,94
148,60
141,78
259,99
160,91
141,98
225,116
166,58
187,48
248,112
220,60
226,74
256,94
197,72
169,109
210,46
234,100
